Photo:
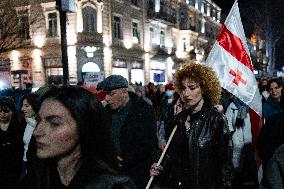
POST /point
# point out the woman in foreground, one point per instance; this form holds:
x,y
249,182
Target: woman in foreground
x,y
73,142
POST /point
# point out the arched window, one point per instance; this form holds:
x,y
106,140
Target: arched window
x,y
89,19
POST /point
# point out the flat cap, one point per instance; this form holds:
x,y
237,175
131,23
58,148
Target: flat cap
x,y
114,82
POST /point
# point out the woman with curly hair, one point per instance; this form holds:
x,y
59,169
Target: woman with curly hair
x,y
198,156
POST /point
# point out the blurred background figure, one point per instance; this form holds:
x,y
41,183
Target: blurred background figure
x,y
274,178
140,91
11,144
270,138
29,108
73,141
165,108
263,88
244,163
274,103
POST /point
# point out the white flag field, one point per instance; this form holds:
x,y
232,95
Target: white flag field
x,y
231,61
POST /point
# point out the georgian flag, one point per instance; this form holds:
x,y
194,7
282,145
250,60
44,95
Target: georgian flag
x,y
231,61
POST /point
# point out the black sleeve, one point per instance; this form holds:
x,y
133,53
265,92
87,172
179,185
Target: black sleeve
x,y
224,174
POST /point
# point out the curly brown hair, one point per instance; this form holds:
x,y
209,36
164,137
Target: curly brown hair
x,y
205,77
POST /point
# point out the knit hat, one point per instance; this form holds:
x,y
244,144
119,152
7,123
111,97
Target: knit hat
x,y
114,82
169,86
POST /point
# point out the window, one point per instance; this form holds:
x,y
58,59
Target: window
x,y
89,19
152,35
212,13
134,2
205,8
203,25
162,39
53,70
135,33
200,5
24,28
162,6
116,27
52,24
184,44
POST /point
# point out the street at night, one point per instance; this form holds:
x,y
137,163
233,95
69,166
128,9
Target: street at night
x,y
140,94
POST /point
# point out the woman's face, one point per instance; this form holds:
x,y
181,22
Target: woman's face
x,y
191,93
56,133
275,91
27,109
5,115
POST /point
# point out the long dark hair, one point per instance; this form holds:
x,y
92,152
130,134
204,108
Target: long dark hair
x,y
93,125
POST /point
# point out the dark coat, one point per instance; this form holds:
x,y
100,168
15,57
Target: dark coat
x,y
138,140
271,107
11,154
88,177
199,157
274,178
271,137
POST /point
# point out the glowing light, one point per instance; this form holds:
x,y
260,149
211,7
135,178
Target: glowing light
x,y
156,41
79,18
36,54
2,84
90,67
127,44
135,40
90,51
39,40
157,5
253,38
71,37
170,64
107,61
100,18
15,56
169,45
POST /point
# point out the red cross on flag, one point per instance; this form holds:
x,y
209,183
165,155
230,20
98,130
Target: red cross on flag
x,y
230,59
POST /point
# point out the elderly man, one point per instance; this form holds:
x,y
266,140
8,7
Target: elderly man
x,y
133,129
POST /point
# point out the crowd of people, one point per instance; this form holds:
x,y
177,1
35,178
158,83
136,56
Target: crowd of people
x,y
67,137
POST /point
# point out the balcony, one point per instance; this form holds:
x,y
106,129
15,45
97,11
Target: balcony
x,y
162,15
94,38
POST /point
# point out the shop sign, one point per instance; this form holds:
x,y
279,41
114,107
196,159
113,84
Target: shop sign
x,y
52,63
91,79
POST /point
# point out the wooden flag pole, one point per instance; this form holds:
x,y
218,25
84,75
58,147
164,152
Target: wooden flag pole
x,y
162,155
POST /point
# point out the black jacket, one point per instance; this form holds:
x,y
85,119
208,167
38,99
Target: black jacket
x,y
11,154
274,178
271,137
199,157
84,179
138,140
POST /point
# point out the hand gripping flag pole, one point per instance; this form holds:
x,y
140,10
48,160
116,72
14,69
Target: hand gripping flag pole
x,y
162,155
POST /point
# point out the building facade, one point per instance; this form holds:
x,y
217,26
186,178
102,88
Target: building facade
x,y
145,41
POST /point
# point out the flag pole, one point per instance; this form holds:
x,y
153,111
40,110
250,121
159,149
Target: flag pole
x,y
162,155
